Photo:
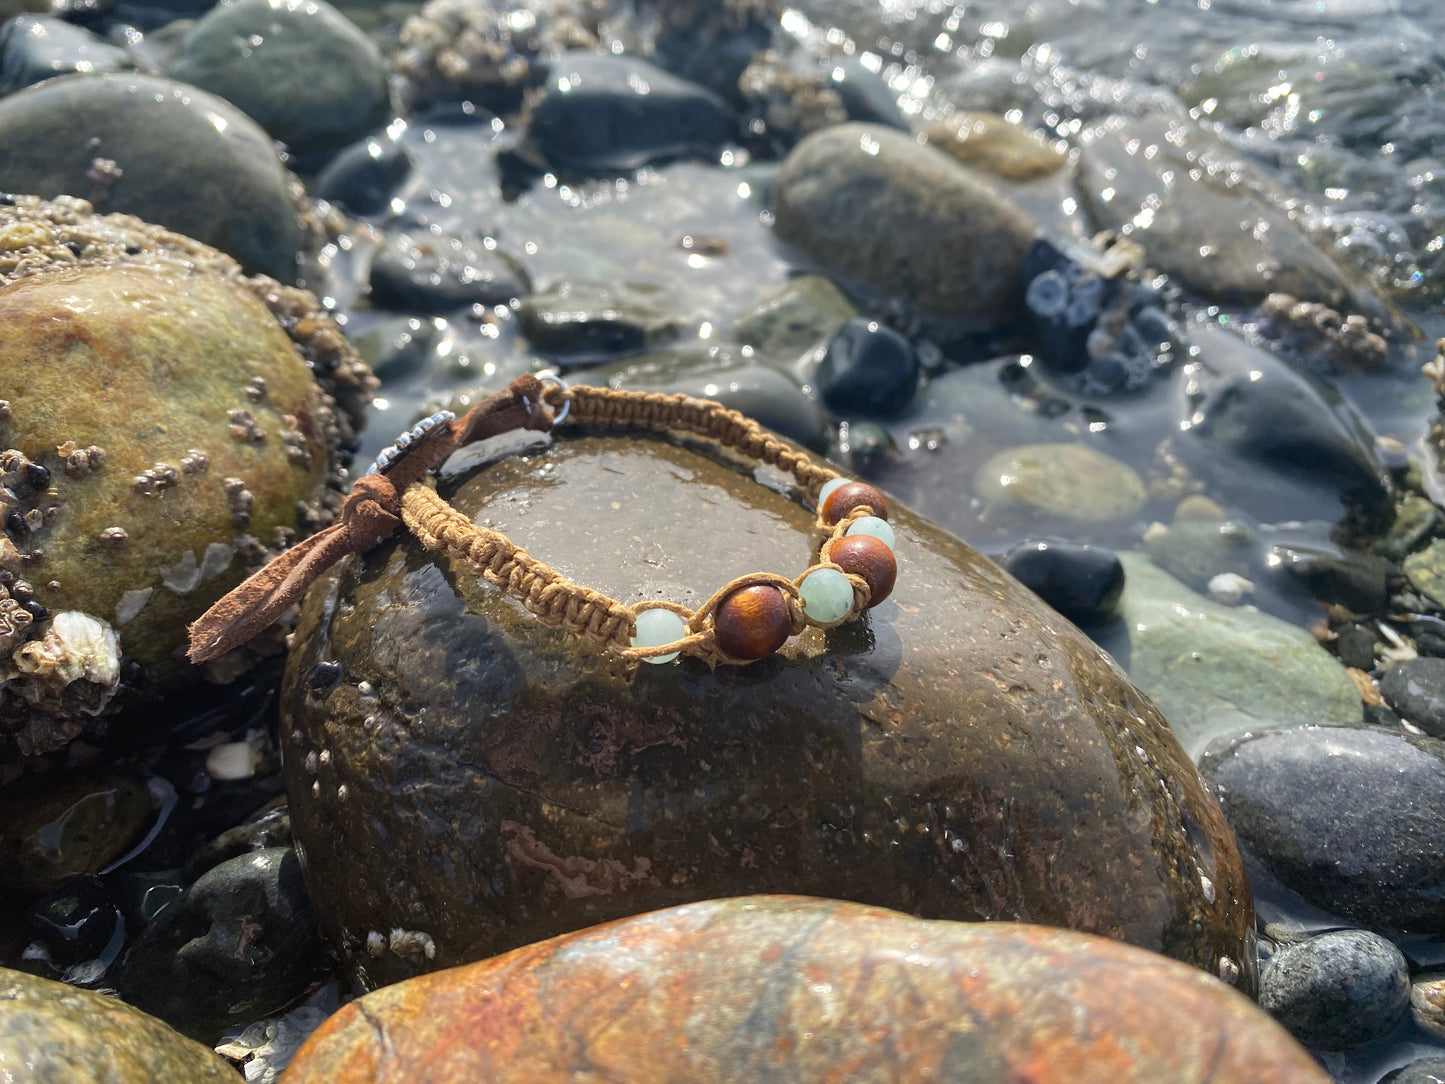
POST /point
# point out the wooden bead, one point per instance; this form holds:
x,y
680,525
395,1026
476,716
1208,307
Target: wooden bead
x,y
752,622
863,555
855,494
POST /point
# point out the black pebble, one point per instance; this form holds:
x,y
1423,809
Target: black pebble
x,y
867,369
1082,582
324,675
1337,990
1416,689
77,920
364,177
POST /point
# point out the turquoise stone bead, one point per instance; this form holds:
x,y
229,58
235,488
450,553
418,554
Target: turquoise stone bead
x,y
828,488
656,627
875,528
827,595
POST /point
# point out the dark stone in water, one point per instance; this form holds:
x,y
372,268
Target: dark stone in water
x,y
1419,1071
1416,689
1337,990
479,781
78,827
241,943
304,72
437,272
1082,582
622,113
1244,409
595,318
1357,581
1348,817
712,41
183,159
365,176
78,920
38,47
867,369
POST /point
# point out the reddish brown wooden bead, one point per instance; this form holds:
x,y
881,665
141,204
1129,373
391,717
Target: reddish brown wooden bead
x,y
853,495
752,622
866,556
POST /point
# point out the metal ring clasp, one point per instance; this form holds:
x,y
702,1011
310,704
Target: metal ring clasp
x,y
547,376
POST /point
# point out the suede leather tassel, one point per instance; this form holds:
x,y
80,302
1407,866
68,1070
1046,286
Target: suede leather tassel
x,y
371,513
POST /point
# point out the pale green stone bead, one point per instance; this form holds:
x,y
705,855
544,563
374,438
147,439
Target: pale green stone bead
x,y
656,627
873,527
827,595
828,488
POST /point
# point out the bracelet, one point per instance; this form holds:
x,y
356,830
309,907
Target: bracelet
x,y
748,618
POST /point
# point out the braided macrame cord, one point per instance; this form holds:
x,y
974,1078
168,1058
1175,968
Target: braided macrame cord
x,y
747,618
606,623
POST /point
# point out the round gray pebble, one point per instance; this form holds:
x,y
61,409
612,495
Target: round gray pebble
x,y
1416,689
1337,990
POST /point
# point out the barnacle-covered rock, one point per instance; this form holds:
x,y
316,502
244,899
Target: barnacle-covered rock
x,y
166,421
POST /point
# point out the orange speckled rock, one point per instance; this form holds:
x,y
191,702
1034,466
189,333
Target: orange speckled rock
x,y
774,988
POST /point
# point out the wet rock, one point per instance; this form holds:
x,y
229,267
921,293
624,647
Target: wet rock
x,y
1348,817
1426,571
1071,481
803,313
227,401
160,150
33,48
766,394
364,177
711,42
1427,1004
58,1033
398,346
1091,330
430,272
867,369
789,97
302,71
1337,990
871,205
1415,519
621,113
1084,583
1196,551
1416,689
1216,669
1242,409
1419,1071
906,983
893,760
52,832
1354,580
78,920
595,318
239,944
990,144
1206,217
488,51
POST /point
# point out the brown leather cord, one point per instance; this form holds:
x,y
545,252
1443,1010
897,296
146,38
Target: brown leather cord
x,y
404,494
371,513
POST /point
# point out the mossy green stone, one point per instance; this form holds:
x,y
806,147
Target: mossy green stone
x,y
1426,571
59,1034
1069,481
146,362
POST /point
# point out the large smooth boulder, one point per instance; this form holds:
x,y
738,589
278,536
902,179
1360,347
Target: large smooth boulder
x,y
893,217
780,988
465,780
161,150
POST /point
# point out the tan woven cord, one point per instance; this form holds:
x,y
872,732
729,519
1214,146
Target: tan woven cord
x,y
401,489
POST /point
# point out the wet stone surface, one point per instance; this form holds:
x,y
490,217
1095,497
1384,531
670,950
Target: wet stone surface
x,y
854,765
946,1001
171,163
1338,989
1348,817
54,1032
